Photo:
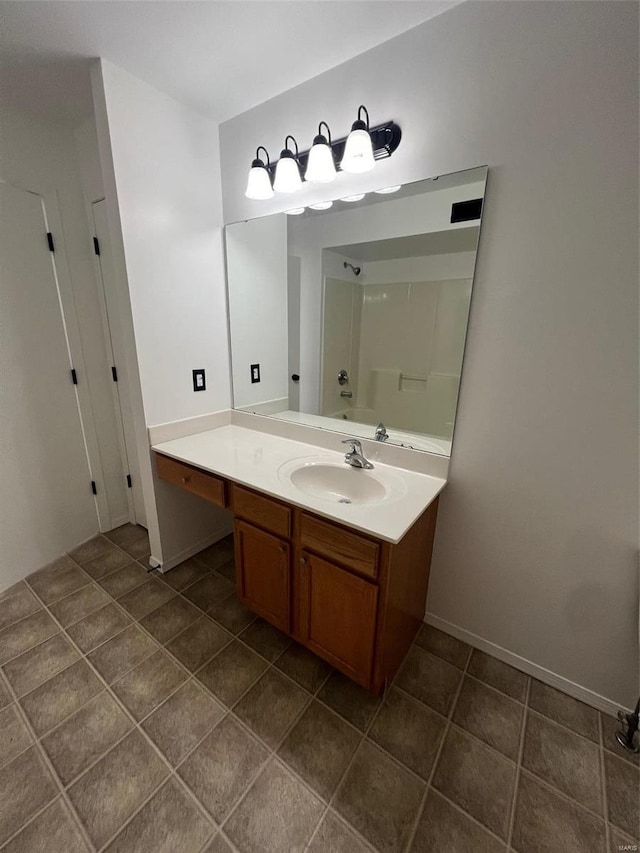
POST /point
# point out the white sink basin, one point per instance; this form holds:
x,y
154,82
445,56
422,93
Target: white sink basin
x,y
338,482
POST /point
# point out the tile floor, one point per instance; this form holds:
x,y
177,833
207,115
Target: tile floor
x,y
142,712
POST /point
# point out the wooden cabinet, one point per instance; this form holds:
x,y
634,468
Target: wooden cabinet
x,y
352,599
337,616
263,573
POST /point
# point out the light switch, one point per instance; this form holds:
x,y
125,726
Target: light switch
x,y
199,383
255,373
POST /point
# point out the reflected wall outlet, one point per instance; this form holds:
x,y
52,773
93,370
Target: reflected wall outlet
x,y
199,383
255,373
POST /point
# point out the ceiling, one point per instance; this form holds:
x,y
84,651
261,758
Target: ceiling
x,y
447,242
220,57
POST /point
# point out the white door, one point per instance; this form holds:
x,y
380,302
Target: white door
x,y
46,502
129,473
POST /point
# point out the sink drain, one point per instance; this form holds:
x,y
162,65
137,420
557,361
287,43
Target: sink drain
x,y
344,501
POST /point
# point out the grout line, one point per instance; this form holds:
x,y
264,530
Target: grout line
x,y
516,785
436,759
603,785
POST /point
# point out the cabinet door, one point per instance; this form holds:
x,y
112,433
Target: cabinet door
x,y
262,570
338,616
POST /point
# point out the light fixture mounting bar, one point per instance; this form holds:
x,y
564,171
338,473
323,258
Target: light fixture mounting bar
x,y
385,138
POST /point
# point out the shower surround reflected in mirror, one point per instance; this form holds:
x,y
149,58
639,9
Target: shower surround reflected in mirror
x,y
366,303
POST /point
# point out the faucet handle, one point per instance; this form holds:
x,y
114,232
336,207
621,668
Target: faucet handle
x,y
355,444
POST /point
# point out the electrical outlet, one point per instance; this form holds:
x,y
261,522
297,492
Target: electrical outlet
x,y
199,383
255,373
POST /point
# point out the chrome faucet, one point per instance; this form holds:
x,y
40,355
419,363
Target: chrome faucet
x,y
355,457
381,433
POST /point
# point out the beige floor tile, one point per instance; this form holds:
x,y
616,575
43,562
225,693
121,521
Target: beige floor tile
x,y
108,561
218,553
14,735
333,836
271,706
124,580
85,736
186,574
565,710
32,668
53,701
17,603
231,672
131,538
349,700
80,604
198,643
380,799
307,669
231,614
265,639
429,679
220,769
120,654
143,599
623,794
464,768
565,760
277,814
60,578
499,675
610,727
409,731
443,828
443,645
218,845
319,748
5,696
24,635
182,720
53,831
491,716
113,789
209,590
170,619
169,823
147,685
26,786
545,822
90,550
98,627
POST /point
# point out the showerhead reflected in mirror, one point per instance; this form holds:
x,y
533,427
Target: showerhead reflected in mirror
x,y
377,291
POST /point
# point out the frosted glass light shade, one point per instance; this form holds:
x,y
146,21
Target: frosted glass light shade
x,y
320,167
287,178
358,153
259,184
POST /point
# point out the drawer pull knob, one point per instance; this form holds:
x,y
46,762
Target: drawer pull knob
x,y
302,561
186,479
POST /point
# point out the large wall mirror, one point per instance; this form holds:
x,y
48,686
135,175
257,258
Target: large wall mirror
x,y
356,315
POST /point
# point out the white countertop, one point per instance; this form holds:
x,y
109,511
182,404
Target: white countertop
x,y
255,459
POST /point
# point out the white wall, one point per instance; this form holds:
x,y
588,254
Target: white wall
x,y
537,541
161,174
257,266
40,156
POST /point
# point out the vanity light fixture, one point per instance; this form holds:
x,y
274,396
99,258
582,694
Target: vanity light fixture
x,y
288,178
352,198
354,153
259,182
321,168
321,205
388,190
358,152
295,211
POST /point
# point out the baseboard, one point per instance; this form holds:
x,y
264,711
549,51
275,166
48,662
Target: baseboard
x,y
192,550
589,697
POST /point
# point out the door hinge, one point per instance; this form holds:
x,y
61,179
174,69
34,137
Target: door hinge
x,y
96,245
128,481
114,373
93,487
50,241
74,376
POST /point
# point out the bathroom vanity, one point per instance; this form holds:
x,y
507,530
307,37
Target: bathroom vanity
x,y
348,580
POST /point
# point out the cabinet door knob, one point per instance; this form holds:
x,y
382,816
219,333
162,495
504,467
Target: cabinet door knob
x,y
280,549
186,479
303,560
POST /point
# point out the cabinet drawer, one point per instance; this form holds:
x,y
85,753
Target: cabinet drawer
x,y
262,511
337,543
200,483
